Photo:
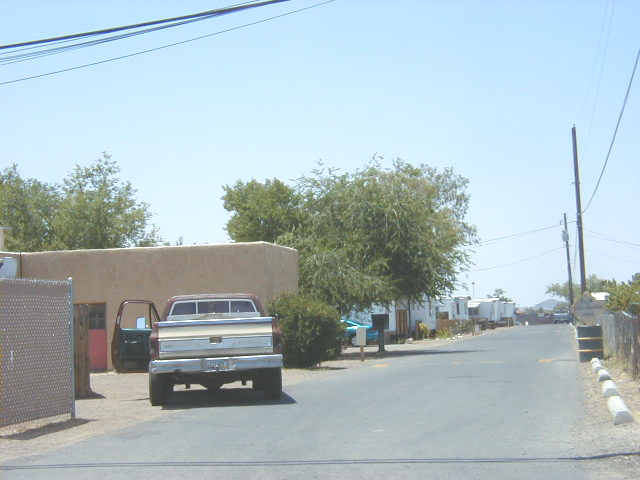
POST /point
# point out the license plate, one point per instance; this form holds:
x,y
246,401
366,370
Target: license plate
x,y
217,364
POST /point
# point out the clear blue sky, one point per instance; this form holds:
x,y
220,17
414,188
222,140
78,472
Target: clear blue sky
x,y
490,88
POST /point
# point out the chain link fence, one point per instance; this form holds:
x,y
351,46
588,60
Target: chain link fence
x,y
36,350
620,337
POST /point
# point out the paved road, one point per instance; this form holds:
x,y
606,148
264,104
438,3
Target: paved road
x,y
500,406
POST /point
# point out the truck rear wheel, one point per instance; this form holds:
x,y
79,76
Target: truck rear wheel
x,y
271,382
159,389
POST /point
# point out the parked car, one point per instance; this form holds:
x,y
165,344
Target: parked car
x,y
352,326
561,317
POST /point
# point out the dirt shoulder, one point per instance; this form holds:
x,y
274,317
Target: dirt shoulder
x,y
122,400
598,435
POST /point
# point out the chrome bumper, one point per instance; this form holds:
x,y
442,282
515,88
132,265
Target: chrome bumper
x,y
217,364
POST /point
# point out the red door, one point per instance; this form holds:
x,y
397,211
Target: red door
x,y
98,349
94,315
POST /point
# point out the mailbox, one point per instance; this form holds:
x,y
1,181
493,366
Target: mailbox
x,y
360,339
380,321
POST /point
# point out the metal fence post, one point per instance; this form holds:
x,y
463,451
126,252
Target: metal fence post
x,y
73,350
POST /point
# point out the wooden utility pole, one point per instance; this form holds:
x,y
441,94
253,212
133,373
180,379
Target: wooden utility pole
x,y
576,173
565,237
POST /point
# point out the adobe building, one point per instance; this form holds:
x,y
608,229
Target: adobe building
x,y
103,278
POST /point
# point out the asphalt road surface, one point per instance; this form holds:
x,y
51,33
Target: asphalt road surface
x,y
500,406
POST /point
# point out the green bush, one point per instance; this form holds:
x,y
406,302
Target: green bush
x,y
422,331
311,329
444,333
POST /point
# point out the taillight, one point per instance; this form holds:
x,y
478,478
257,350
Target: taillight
x,y
276,335
154,347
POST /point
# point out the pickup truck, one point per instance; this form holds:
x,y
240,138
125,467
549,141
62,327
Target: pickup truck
x,y
213,339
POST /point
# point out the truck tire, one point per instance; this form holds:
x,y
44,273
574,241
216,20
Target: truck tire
x,y
272,385
159,388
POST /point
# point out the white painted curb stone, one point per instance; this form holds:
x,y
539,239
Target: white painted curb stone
x,y
609,389
619,411
596,366
603,375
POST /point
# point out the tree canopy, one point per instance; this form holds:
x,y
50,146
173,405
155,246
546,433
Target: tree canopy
x,y
92,208
561,290
370,236
262,211
624,296
500,294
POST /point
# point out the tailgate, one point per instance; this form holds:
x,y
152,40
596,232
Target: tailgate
x,y
191,338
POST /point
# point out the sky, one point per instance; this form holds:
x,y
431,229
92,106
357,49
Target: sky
x,y
490,88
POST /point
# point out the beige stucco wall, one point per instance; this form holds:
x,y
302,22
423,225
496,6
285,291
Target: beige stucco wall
x,y
157,273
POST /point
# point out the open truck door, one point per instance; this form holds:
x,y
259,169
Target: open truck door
x,y
130,342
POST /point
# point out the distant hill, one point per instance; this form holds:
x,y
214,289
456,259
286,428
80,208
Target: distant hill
x,y
548,304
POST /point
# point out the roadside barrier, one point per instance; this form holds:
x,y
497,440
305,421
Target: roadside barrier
x,y
589,342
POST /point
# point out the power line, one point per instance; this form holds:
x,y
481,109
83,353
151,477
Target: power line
x,y
45,52
232,8
23,57
519,261
520,234
600,73
597,52
155,49
615,132
610,239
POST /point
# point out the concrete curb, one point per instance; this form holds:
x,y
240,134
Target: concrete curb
x,y
596,366
619,411
603,375
609,389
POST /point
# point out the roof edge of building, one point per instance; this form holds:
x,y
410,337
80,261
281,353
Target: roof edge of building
x,y
159,247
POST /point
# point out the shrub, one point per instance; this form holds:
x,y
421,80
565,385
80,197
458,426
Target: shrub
x,y
444,333
311,329
422,331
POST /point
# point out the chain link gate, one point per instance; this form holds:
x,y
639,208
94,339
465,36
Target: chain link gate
x,y
36,350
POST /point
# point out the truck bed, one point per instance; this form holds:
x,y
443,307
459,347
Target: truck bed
x,y
201,336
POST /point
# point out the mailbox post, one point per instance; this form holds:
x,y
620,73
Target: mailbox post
x,y
361,340
380,322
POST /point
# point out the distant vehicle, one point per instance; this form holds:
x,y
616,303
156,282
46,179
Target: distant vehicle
x,y
561,317
352,326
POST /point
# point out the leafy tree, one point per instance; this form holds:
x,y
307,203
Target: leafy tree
x,y
500,294
98,210
561,290
261,211
93,208
624,296
28,206
371,236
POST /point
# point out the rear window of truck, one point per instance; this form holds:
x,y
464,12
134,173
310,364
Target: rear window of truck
x,y
213,306
183,308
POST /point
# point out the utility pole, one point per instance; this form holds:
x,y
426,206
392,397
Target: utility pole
x,y
576,173
565,237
